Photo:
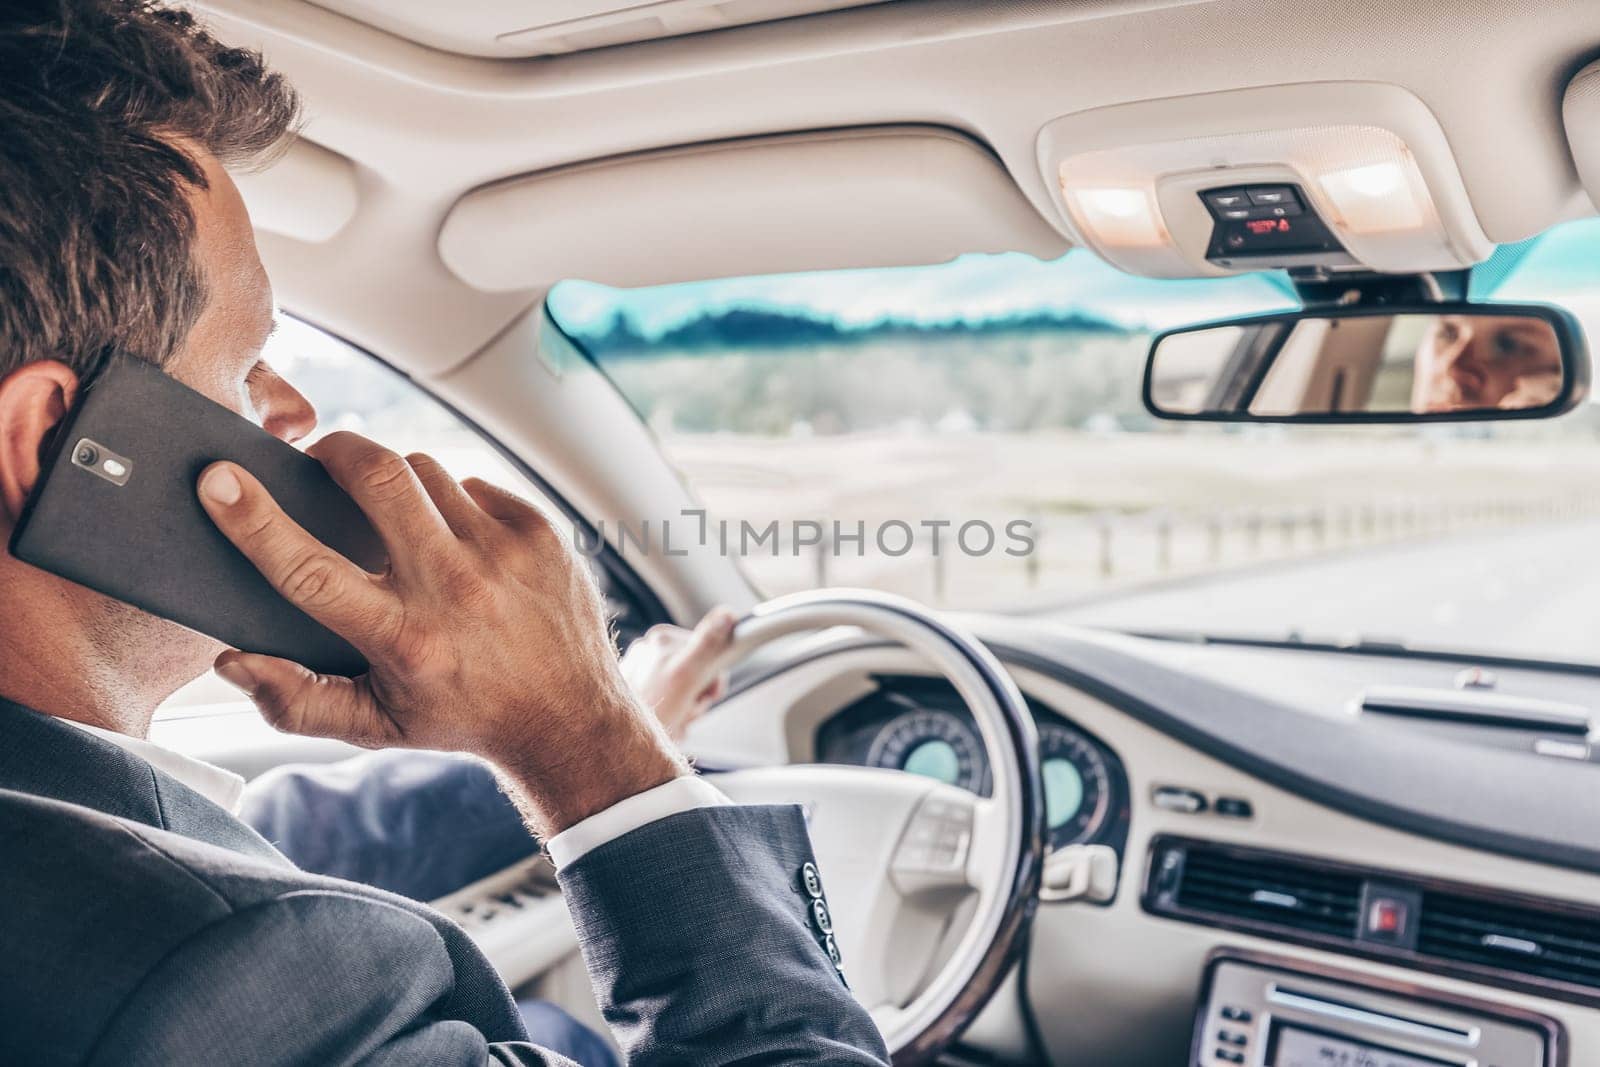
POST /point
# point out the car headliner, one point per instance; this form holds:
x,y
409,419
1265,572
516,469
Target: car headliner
x,y
411,129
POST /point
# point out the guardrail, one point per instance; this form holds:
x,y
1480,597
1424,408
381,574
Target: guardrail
x,y
1089,552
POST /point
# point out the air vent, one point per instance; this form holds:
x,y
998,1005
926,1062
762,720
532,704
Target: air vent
x,y
1551,948
1267,891
1541,941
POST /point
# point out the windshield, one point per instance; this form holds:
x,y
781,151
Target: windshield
x,y
971,435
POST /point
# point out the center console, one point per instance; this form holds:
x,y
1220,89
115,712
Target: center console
x,y
1262,1012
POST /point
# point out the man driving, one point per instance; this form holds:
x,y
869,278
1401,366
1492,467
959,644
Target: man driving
x,y
142,922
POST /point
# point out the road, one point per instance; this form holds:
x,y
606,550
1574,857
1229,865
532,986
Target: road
x,y
1531,590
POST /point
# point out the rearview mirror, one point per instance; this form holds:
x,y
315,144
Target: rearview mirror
x,y
1432,362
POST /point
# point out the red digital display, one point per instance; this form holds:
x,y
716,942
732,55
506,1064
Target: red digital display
x,y
1264,226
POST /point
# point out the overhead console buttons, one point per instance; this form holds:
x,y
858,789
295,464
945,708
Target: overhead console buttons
x,y
1271,221
1270,195
1253,202
1223,201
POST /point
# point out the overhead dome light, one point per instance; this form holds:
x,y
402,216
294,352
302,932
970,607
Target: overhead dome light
x,y
1376,198
1120,217
1377,180
1369,160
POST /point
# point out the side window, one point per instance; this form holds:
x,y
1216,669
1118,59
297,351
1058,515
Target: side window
x,y
352,391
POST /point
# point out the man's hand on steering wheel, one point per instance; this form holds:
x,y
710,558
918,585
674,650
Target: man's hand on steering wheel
x,y
673,670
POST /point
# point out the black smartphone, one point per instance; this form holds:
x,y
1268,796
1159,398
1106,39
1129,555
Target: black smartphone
x,y
116,510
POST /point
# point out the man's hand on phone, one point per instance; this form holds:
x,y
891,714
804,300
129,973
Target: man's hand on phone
x,y
670,669
486,634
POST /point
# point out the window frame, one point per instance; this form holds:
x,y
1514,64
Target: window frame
x,y
620,582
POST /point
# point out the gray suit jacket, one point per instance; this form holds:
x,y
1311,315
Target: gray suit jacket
x,y
141,924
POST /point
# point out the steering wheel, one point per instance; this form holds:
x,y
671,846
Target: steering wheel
x,y
888,842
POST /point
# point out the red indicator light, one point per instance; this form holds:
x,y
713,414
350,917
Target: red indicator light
x,y
1386,917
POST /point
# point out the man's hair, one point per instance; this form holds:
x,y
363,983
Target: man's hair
x,y
98,101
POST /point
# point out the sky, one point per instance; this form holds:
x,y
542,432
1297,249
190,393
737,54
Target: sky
x,y
974,288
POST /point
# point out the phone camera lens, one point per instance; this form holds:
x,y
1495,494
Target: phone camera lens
x,y
88,455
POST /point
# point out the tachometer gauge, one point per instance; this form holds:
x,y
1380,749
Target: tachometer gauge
x,y
933,744
1077,789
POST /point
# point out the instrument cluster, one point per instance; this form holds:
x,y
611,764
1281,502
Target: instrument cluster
x,y
921,726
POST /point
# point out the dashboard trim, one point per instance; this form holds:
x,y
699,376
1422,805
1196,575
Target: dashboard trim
x,y
1524,775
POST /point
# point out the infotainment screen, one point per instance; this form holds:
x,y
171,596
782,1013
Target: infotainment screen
x,y
1295,1047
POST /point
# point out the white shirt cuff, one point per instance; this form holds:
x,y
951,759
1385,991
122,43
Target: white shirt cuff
x,y
630,813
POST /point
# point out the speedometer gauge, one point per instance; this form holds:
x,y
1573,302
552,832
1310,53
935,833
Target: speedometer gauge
x,y
933,744
1077,790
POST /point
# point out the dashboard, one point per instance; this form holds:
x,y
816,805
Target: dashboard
x,y
920,725
1311,806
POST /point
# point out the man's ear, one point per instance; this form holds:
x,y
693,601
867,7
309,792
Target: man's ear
x,y
33,398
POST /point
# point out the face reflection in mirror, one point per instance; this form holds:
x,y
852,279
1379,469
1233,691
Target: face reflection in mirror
x,y
1467,363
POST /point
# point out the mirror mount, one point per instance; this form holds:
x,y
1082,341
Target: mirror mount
x,y
1321,288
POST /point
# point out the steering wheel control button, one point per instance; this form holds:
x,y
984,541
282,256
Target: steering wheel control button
x,y
1235,808
811,881
820,917
1182,801
932,853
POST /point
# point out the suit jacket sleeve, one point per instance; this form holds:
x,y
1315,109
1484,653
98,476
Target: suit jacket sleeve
x,y
699,943
694,929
